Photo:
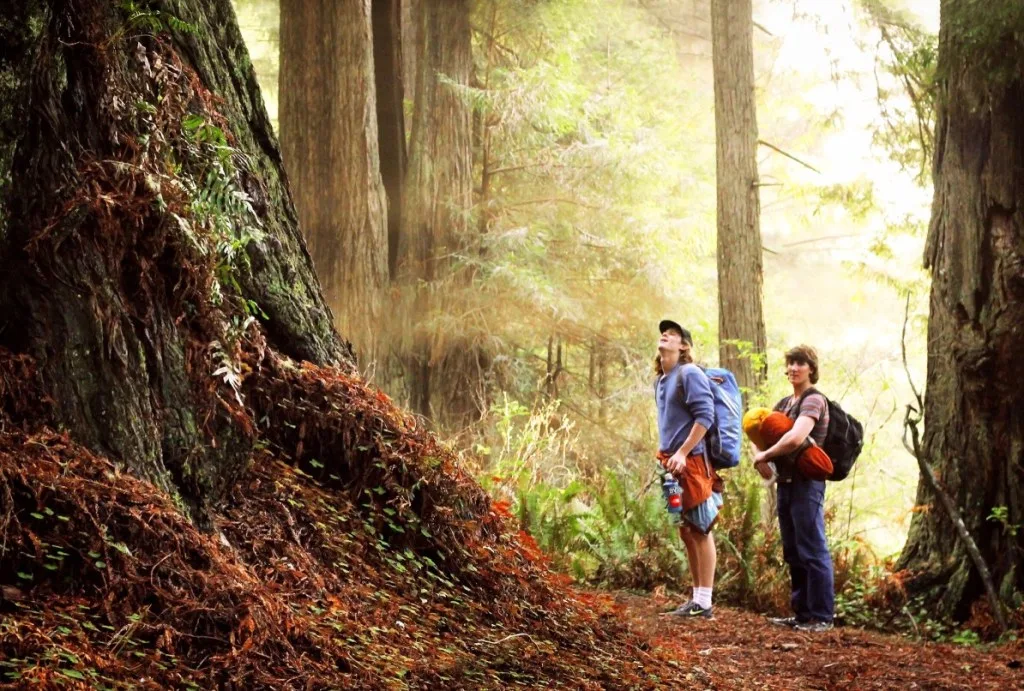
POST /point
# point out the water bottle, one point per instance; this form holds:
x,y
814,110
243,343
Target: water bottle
x,y
672,492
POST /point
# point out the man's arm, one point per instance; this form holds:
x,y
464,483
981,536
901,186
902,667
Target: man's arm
x,y
701,404
790,441
677,462
812,408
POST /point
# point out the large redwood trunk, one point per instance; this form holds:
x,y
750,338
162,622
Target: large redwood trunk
x,y
328,116
438,196
974,426
148,225
741,331
388,69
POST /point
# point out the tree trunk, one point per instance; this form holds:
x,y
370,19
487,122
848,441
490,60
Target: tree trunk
x,y
329,137
741,332
974,425
148,221
410,48
438,198
388,69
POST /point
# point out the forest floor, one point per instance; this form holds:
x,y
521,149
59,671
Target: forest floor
x,y
355,553
739,649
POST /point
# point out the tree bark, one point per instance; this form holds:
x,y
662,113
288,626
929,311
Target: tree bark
x,y
388,69
437,202
410,50
148,221
329,138
974,428
740,271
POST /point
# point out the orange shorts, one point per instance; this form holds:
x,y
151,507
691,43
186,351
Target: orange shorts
x,y
698,480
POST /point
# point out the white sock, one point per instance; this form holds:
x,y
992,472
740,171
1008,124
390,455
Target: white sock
x,y
702,596
693,595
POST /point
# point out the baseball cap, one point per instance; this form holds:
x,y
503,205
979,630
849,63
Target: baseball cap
x,y
665,324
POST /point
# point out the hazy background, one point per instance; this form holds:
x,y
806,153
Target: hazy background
x,y
843,243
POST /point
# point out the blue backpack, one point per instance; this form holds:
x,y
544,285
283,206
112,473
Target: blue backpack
x,y
724,439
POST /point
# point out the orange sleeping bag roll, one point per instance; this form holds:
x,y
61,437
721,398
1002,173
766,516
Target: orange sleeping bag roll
x,y
765,430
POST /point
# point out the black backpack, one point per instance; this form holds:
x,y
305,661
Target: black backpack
x,y
844,438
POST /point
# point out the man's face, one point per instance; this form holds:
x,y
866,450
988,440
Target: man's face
x,y
670,340
798,372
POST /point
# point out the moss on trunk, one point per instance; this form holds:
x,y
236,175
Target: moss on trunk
x,y
974,434
150,229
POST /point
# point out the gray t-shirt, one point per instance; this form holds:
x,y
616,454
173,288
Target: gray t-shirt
x,y
815,407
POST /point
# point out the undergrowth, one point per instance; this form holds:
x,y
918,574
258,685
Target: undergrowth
x,y
610,528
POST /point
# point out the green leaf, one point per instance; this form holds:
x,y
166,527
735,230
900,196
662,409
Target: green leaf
x,y
192,122
74,674
24,576
100,564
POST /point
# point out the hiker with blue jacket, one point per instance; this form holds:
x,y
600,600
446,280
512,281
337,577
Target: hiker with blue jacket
x,y
801,501
686,410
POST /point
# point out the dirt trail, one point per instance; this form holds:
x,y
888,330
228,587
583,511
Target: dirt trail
x,y
740,650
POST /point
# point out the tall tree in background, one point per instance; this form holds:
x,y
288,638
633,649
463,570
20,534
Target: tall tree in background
x,y
974,429
438,197
329,138
149,227
389,71
740,271
409,32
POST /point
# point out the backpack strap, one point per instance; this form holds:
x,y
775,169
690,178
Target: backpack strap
x,y
679,376
781,405
808,440
804,396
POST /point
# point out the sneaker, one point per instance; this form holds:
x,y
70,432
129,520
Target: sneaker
x,y
814,626
691,610
785,621
681,608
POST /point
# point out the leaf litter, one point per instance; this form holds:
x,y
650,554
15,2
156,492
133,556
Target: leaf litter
x,y
353,553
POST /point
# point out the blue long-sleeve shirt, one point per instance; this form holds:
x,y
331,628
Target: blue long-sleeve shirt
x,y
683,396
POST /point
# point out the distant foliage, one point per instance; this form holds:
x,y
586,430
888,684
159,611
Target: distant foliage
x,y
593,218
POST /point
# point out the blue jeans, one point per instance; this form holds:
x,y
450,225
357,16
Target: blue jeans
x,y
802,528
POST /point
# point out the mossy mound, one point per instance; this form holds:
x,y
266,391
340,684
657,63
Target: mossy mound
x,y
354,553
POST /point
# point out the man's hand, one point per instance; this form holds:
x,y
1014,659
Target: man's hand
x,y
676,463
761,457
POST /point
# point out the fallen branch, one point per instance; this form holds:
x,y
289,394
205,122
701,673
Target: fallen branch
x,y
954,515
917,631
